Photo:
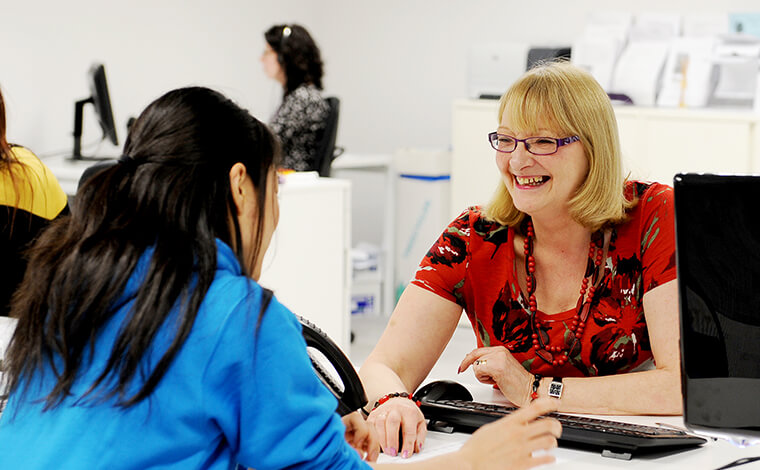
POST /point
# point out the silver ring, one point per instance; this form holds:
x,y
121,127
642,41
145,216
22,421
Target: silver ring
x,y
481,362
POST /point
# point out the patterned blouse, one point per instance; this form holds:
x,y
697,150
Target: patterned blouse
x,y
299,123
473,264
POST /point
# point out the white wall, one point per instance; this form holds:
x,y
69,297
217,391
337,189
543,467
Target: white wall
x,y
148,48
396,65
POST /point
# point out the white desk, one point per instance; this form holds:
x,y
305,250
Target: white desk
x,y
710,456
68,172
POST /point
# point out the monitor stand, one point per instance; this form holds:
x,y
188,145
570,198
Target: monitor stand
x,y
77,153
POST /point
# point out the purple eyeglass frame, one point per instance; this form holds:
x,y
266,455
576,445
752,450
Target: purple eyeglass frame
x,y
560,142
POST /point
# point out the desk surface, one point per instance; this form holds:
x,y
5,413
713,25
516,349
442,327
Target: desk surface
x,y
349,161
710,456
67,171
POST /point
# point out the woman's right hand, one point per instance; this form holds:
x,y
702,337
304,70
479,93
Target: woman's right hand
x,y
511,441
399,418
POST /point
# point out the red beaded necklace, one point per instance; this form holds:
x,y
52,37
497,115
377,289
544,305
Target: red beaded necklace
x,y
559,355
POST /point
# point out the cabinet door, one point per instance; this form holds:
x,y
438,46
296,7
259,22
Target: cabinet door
x,y
657,145
307,263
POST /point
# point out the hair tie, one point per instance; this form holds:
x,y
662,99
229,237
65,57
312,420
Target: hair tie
x,y
125,158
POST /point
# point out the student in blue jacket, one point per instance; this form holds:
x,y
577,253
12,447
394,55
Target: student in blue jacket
x,y
145,342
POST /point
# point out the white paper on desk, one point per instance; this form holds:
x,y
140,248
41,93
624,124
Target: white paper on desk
x,y
597,52
704,24
638,71
441,444
598,47
687,74
655,27
435,444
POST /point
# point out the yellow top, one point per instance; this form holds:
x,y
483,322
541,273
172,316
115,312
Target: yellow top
x,y
40,192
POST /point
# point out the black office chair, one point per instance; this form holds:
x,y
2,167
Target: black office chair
x,y
90,171
327,151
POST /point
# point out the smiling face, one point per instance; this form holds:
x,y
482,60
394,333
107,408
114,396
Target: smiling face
x,y
541,185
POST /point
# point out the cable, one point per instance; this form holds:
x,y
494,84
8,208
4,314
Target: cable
x,y
738,462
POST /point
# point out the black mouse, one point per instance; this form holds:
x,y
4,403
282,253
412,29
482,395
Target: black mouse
x,y
443,390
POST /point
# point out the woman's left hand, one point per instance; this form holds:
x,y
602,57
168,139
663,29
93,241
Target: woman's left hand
x,y
496,366
361,436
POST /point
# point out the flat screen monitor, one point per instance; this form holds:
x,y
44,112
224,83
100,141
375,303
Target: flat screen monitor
x,y
101,101
718,262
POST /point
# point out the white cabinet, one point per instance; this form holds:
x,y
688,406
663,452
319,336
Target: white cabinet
x,y
657,143
307,264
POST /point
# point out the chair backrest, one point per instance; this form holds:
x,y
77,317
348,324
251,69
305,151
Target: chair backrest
x,y
90,171
326,149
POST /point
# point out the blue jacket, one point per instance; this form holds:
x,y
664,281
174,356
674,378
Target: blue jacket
x,y
230,396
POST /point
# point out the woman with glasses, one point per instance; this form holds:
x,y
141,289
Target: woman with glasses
x,y
567,275
292,58
145,341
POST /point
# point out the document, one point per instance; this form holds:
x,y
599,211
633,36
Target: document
x,y
436,443
440,443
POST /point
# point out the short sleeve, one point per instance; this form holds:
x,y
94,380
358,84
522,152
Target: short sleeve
x,y
442,270
272,408
658,245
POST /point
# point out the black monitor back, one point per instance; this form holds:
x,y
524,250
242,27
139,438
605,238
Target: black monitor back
x,y
101,99
537,55
718,258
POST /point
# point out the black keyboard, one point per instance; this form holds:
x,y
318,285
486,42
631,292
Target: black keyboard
x,y
612,438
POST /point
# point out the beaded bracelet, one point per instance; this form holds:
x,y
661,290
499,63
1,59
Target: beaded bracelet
x,y
387,397
536,384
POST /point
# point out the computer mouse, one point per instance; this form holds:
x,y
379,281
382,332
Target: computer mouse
x,y
443,390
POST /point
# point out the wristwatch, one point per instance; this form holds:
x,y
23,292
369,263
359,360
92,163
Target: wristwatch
x,y
555,387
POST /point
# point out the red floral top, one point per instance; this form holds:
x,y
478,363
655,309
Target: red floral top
x,y
473,264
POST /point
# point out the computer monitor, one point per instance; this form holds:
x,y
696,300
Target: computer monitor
x,y
537,55
101,100
718,261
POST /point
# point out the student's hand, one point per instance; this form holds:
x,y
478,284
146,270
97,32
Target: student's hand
x,y
361,436
496,366
399,417
511,441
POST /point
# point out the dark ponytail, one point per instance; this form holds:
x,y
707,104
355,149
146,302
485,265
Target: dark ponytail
x,y
171,195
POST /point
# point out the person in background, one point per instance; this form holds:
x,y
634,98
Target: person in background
x,y
145,341
30,197
292,58
567,275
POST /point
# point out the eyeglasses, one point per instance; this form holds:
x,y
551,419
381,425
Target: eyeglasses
x,y
535,145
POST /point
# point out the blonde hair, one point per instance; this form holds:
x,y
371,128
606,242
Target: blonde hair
x,y
568,100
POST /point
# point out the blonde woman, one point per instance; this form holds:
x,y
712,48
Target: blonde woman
x,y
567,275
